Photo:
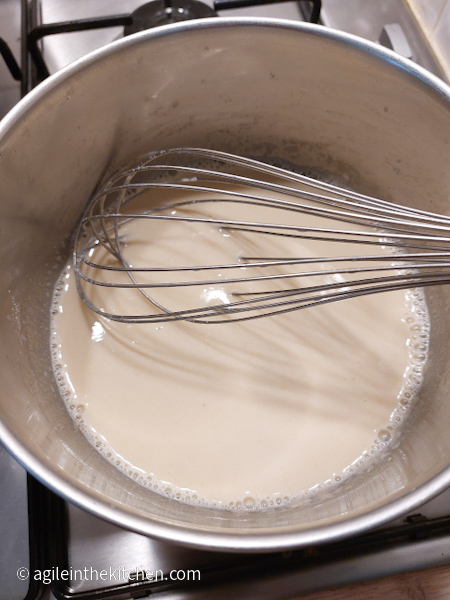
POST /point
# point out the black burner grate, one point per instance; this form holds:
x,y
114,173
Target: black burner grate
x,y
51,542
150,14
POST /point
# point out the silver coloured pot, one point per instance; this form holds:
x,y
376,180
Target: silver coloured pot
x,y
316,97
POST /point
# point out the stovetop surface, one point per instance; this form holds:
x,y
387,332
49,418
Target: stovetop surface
x,y
365,19
46,540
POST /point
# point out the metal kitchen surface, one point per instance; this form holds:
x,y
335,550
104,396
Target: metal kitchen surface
x,y
388,22
105,561
41,534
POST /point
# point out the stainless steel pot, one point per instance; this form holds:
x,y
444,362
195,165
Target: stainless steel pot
x,y
313,96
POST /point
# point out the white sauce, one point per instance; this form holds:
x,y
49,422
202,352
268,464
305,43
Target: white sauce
x,y
239,414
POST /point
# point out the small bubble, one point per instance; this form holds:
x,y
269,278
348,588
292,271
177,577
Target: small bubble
x,y
384,435
249,503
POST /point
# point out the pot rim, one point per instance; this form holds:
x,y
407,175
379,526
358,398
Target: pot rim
x,y
246,541
208,538
385,54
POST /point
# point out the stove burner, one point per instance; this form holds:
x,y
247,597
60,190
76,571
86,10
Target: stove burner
x,y
151,14
163,12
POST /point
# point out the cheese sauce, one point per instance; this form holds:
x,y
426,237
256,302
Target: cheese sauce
x,y
236,415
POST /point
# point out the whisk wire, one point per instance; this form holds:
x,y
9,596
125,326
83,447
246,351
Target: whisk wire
x,y
232,182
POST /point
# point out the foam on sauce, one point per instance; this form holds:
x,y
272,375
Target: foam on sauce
x,y
238,415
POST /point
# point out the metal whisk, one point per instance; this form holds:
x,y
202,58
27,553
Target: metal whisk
x,y
199,196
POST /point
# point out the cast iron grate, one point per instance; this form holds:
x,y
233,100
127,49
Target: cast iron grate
x,y
50,543
156,12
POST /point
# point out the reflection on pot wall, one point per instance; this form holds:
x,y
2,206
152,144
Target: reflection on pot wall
x,y
434,16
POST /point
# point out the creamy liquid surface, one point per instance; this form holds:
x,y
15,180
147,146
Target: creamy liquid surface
x,y
240,414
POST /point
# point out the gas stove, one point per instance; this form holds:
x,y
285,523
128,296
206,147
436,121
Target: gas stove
x,y
52,548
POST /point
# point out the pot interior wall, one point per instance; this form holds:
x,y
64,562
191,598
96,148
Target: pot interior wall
x,y
268,90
